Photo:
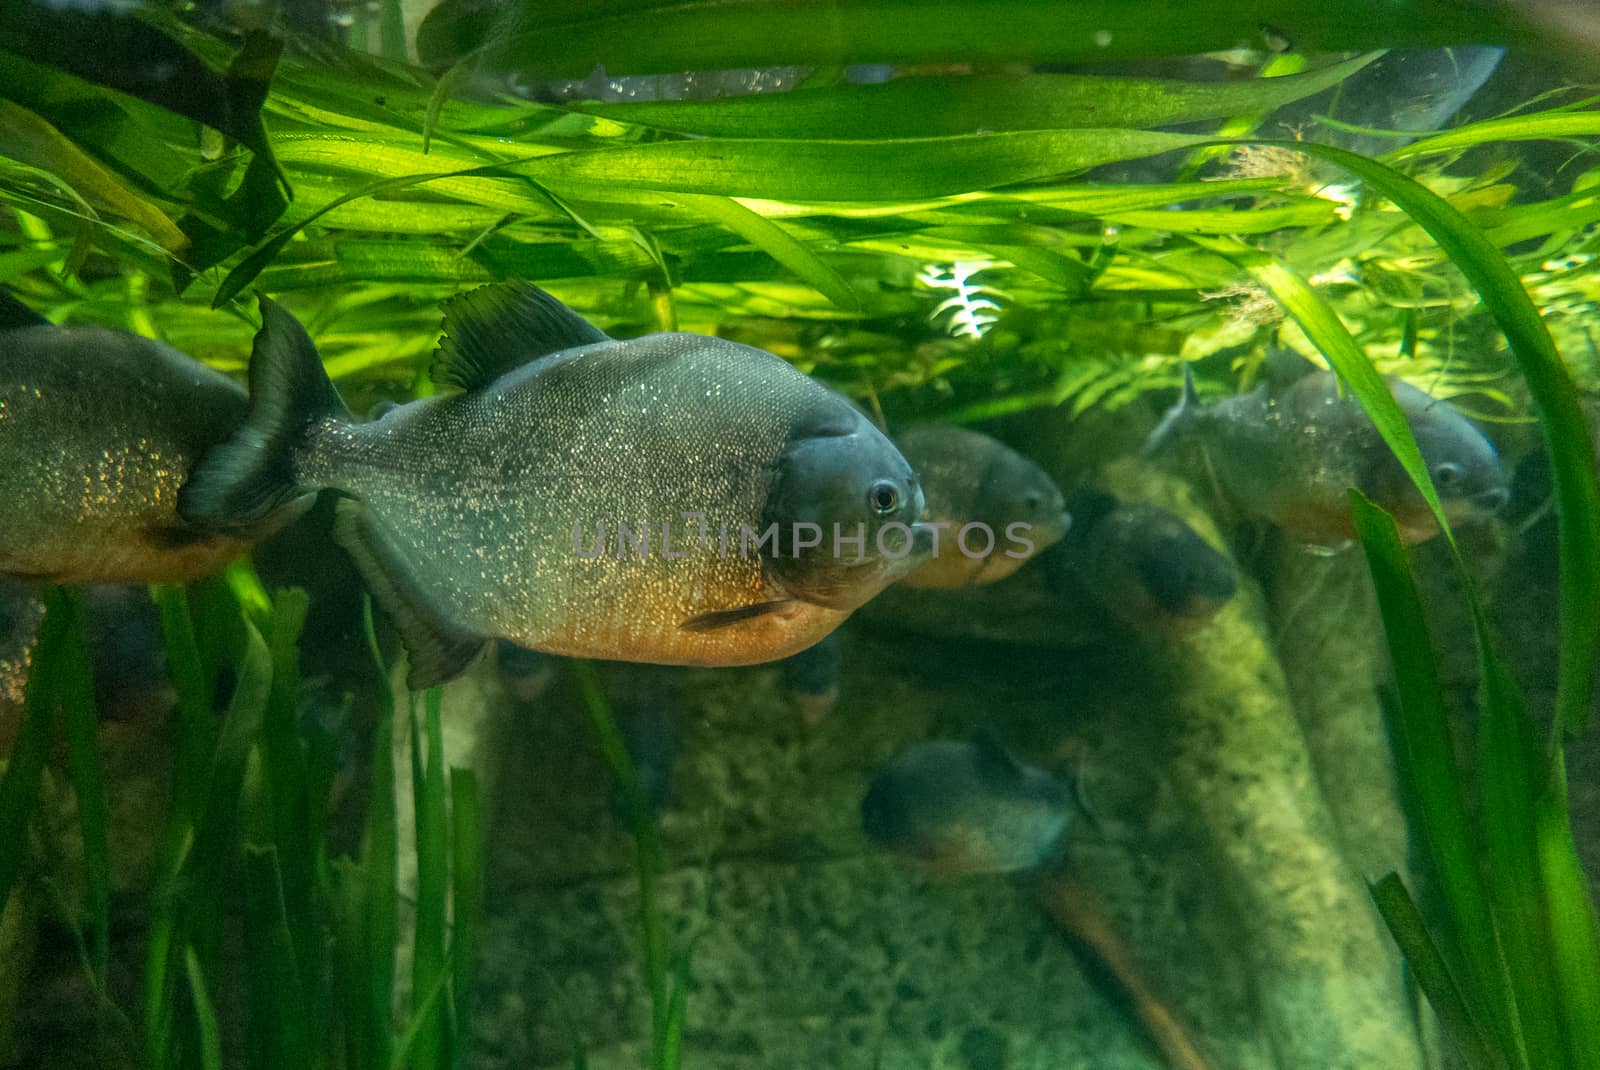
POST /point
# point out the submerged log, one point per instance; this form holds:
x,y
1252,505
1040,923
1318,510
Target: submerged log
x,y
1330,992
1329,639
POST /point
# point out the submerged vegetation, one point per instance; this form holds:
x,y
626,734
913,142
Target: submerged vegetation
x,y
945,245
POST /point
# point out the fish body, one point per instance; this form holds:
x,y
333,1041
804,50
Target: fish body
x,y
969,478
99,429
581,495
1141,563
961,807
1290,457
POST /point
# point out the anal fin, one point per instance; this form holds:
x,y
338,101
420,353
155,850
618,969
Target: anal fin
x,y
724,618
439,651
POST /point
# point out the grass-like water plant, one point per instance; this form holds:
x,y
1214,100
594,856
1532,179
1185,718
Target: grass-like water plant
x,y
245,861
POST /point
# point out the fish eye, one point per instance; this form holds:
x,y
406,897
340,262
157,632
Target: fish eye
x,y
1446,475
1032,503
883,497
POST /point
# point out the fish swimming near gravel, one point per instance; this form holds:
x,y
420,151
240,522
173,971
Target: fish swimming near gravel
x,y
961,807
99,429
1290,456
675,498
990,507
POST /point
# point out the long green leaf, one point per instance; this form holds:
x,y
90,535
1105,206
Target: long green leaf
x,y
278,1008
1425,763
1542,126
1574,942
246,271
380,867
433,886
205,1013
943,106
19,789
466,901
76,695
193,709
647,856
284,765
1566,433
28,138
773,240
1511,777
887,170
1405,924
192,717
215,838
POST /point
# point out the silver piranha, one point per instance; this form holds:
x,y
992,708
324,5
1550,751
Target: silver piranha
x,y
98,431
1013,507
675,498
960,807
1290,457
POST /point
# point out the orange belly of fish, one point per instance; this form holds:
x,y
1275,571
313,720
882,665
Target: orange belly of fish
x,y
1331,522
770,637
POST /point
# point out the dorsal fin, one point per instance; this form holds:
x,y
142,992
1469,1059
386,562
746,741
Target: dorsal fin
x,y
495,328
1283,367
14,313
995,763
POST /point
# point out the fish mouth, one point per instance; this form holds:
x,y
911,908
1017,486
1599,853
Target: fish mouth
x,y
1055,529
1492,500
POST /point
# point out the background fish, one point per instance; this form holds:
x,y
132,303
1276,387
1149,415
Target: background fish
x,y
1290,457
969,477
811,678
1140,563
98,431
645,713
965,807
471,514
525,674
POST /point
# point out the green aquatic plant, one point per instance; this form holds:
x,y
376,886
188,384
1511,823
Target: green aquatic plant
x,y
1514,970
248,813
666,973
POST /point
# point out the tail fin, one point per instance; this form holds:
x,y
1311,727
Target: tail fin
x,y
240,484
1177,417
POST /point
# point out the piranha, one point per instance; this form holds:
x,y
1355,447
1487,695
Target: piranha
x,y
811,679
674,498
961,807
99,429
1142,564
972,481
1289,456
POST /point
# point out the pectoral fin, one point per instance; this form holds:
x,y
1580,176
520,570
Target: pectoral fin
x,y
723,618
439,650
